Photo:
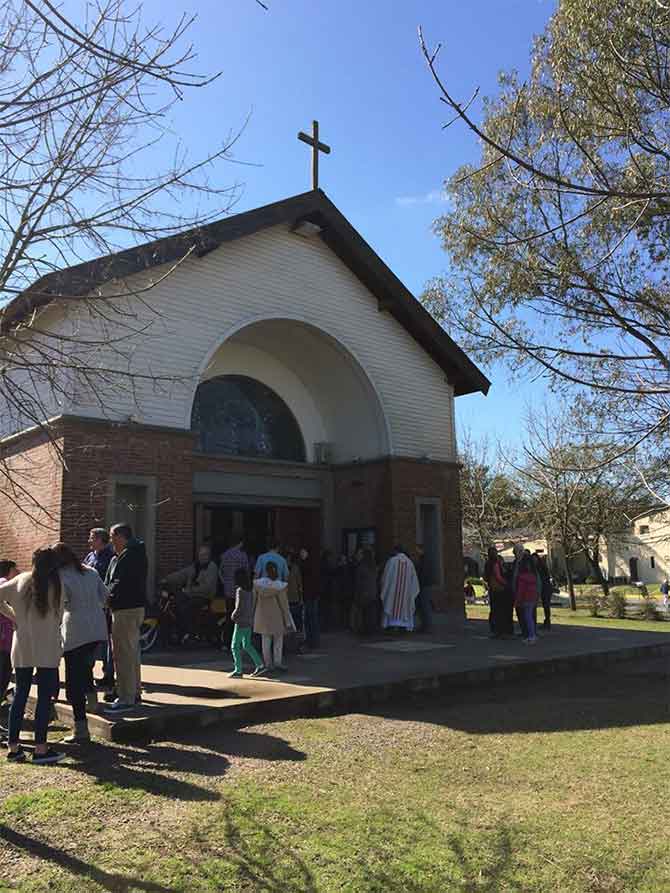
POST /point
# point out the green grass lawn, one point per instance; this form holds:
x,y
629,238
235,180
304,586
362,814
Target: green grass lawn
x,y
557,784
584,590
581,617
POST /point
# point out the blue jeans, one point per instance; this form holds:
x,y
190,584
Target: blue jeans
x,y
528,611
312,631
48,684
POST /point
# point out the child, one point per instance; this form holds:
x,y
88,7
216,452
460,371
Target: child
x,y
243,618
527,588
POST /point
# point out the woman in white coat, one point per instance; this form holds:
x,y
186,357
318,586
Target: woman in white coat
x,y
33,602
272,616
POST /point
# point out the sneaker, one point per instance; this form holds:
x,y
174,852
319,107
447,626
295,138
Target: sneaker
x,y
18,756
235,675
79,735
119,706
51,756
532,641
110,696
260,671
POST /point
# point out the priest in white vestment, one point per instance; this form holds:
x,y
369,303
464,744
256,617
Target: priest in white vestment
x,y
400,587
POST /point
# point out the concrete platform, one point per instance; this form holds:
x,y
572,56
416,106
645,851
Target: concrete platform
x,y
188,689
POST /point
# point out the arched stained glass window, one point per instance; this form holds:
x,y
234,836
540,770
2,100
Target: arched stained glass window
x,y
239,416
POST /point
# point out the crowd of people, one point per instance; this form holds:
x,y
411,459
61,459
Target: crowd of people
x,y
278,595
518,587
82,611
74,611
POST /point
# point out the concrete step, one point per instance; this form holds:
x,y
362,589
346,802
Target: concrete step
x,y
247,701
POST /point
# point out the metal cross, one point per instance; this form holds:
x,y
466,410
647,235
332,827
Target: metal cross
x,y
317,147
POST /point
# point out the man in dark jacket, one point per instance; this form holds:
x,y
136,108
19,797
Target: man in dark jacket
x,y
127,583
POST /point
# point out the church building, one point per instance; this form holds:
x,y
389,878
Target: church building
x,y
266,373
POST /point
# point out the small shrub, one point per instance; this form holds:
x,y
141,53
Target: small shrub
x,y
593,604
648,608
617,604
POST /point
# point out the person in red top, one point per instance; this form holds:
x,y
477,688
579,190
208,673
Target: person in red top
x,y
8,571
527,589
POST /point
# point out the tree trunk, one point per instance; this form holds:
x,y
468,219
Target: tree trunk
x,y
571,585
593,559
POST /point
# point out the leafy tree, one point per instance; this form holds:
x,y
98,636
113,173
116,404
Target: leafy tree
x,y
559,238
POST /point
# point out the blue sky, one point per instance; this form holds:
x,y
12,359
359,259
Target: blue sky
x,y
356,67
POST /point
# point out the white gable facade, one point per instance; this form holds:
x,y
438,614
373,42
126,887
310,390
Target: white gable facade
x,y
373,408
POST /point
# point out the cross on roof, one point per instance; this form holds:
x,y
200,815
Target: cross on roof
x,y
317,147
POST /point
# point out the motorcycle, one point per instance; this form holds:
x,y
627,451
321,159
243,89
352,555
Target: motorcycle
x,y
203,622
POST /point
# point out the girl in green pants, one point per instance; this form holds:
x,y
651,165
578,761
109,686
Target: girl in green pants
x,y
243,617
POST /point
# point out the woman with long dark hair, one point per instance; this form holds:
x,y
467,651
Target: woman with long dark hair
x,y
33,601
84,629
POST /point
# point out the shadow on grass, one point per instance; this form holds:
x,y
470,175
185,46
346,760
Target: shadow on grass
x,y
265,862
390,862
115,883
488,878
149,768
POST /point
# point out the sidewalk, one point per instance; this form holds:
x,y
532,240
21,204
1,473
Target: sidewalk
x,y
191,688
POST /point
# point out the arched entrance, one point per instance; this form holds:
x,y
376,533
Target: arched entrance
x,y
331,396
279,403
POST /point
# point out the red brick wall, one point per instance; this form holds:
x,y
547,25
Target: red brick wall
x,y
94,451
378,494
30,495
383,495
363,499
413,479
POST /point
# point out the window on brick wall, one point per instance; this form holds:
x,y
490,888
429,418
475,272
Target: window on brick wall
x,y
429,535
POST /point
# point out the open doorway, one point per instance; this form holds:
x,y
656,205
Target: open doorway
x,y
222,525
294,528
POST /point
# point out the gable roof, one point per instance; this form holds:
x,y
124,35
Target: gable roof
x,y
311,207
